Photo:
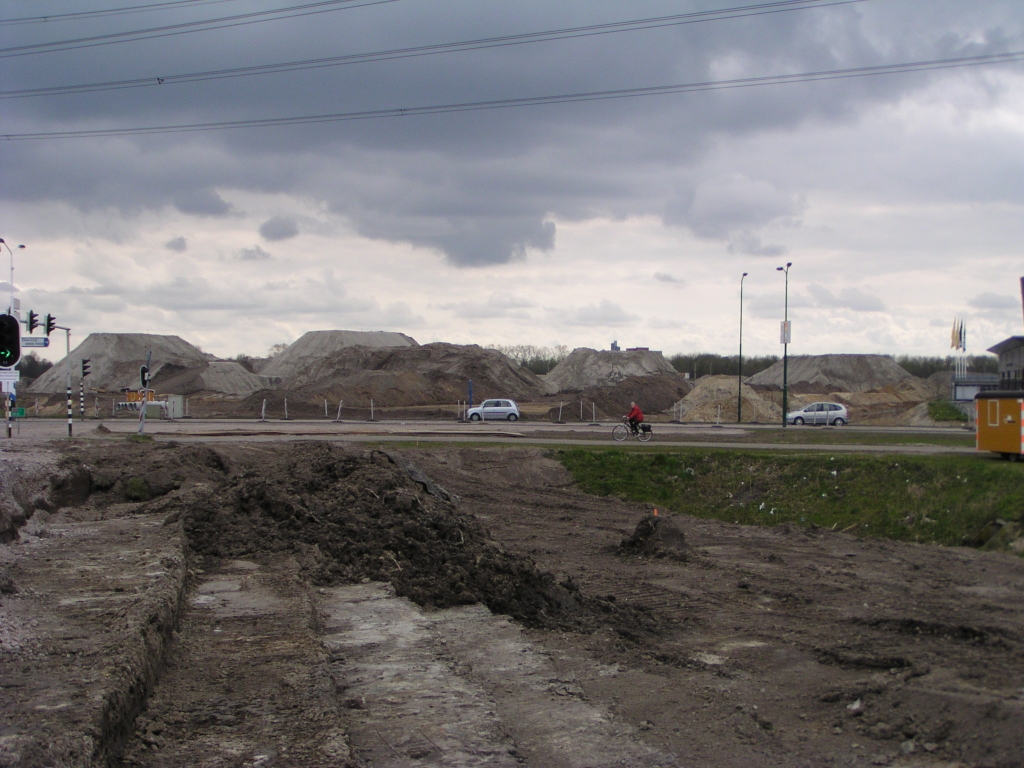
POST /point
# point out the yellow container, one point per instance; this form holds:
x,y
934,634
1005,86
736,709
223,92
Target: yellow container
x,y
999,417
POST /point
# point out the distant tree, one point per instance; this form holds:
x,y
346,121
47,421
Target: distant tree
x,y
276,350
540,360
245,361
699,364
924,367
33,367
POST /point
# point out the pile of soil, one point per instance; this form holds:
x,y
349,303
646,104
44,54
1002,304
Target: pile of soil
x,y
585,368
314,345
654,394
349,518
714,397
432,374
822,374
115,359
655,537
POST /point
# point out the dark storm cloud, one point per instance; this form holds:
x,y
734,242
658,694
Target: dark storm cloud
x,y
482,188
279,228
201,202
177,244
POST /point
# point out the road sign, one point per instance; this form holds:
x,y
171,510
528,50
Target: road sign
x,y
10,374
17,413
786,332
35,341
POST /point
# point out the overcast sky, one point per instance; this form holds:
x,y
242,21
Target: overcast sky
x,y
897,198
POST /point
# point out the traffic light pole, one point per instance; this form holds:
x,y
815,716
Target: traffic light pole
x,y
81,399
70,411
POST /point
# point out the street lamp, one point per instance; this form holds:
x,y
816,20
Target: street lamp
x,y
739,382
785,347
3,242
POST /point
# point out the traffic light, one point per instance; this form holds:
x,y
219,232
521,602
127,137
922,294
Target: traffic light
x,y
10,341
50,322
144,376
85,367
33,321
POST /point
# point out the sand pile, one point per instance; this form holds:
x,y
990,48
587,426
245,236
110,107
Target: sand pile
x,y
316,345
115,359
431,374
585,368
654,394
821,374
712,392
220,376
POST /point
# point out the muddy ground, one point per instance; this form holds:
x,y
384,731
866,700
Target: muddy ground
x,y
306,605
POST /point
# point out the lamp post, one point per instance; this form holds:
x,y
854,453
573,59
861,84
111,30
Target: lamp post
x,y
785,347
10,307
739,381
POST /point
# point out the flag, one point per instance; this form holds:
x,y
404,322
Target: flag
x,y
953,335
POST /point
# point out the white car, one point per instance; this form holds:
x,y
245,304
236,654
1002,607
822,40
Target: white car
x,y
489,410
820,413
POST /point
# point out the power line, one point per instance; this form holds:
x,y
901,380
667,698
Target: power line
x,y
781,6
531,101
78,15
187,27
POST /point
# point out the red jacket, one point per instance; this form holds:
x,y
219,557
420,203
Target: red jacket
x,y
636,414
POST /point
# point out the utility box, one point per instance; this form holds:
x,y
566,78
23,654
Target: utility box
x,y
175,406
999,416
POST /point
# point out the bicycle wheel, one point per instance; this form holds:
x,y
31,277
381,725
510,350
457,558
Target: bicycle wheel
x,y
619,432
645,436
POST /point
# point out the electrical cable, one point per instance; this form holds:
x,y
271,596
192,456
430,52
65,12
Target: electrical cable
x,y
187,27
782,6
471,106
78,15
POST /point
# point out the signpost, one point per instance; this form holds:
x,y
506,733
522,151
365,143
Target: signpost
x,y
18,413
35,341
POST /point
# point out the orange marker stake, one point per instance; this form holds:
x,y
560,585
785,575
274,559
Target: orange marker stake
x,y
655,511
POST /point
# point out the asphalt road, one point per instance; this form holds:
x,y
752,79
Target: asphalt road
x,y
537,433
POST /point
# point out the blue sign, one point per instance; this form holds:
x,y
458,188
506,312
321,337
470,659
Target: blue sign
x,y
35,341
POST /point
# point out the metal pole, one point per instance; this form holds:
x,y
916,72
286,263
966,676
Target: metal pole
x,y
70,412
263,413
7,399
785,348
81,399
326,415
739,378
339,410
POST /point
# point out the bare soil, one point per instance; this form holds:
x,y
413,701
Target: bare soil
x,y
468,606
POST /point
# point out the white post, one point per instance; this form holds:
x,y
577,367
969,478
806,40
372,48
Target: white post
x,y
339,410
326,415
560,404
286,408
186,407
371,409
263,413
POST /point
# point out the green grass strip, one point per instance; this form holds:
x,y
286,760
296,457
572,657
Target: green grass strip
x,y
948,500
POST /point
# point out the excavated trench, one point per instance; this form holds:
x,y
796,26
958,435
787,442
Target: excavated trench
x,y
298,606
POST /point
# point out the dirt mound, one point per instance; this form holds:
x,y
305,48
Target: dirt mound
x,y
714,397
654,394
115,359
655,537
316,345
822,374
422,375
221,376
585,368
352,517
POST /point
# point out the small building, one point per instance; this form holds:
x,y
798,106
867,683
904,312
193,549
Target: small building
x,y
1011,363
1000,423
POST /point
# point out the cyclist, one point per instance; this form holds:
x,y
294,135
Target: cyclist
x,y
635,417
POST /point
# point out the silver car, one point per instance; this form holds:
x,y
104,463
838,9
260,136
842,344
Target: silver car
x,y
504,410
820,413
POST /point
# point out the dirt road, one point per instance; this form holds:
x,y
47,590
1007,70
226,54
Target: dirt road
x,y
297,643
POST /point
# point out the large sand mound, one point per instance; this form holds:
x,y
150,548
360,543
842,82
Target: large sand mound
x,y
316,345
221,376
115,359
822,374
714,398
585,368
431,374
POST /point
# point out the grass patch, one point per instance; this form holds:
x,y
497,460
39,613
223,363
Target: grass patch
x,y
942,499
943,410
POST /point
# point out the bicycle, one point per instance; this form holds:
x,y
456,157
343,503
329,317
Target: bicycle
x,y
643,432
